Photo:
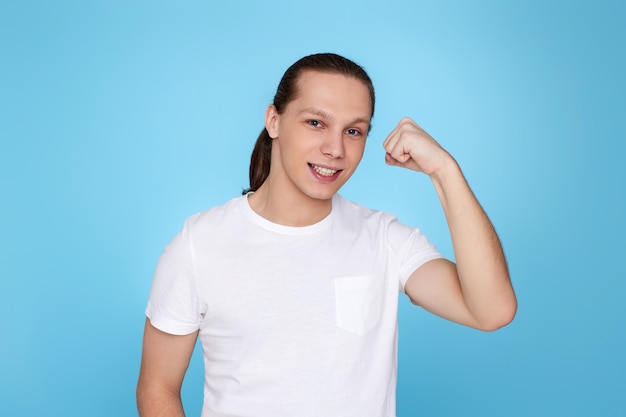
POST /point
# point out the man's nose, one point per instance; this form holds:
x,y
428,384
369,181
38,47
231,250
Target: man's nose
x,y
333,145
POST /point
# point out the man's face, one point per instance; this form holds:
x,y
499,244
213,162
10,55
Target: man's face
x,y
319,138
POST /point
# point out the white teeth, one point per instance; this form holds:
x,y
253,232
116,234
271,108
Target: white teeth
x,y
324,171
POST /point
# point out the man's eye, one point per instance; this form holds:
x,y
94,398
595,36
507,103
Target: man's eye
x,y
353,132
315,123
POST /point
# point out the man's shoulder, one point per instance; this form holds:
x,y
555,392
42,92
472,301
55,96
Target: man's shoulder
x,y
215,215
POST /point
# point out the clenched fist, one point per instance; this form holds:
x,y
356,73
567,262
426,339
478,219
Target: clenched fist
x,y
409,146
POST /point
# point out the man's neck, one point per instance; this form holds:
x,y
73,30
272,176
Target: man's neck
x,y
293,210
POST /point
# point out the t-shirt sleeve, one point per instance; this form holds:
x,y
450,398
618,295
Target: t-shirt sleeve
x,y
412,248
173,305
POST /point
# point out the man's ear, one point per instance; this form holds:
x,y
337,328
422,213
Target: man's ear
x,y
272,119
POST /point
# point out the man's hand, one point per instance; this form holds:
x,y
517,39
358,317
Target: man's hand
x,y
409,146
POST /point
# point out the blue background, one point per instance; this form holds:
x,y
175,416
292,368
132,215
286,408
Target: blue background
x,y
120,119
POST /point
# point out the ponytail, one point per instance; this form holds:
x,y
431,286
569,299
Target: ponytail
x,y
260,161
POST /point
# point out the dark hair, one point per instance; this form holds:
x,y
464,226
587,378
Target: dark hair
x,y
286,92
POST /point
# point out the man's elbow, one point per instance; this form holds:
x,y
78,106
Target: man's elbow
x,y
499,319
144,395
157,400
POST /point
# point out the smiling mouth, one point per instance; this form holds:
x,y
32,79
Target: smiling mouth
x,y
326,172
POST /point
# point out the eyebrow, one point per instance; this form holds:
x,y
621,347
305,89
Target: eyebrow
x,y
325,115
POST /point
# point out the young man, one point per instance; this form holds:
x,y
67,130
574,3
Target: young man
x,y
292,289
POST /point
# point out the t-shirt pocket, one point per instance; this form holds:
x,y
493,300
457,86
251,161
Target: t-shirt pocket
x,y
358,303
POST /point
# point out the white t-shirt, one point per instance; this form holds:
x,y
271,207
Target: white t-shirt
x,y
294,321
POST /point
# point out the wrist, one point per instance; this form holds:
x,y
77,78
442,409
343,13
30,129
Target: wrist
x,y
448,168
